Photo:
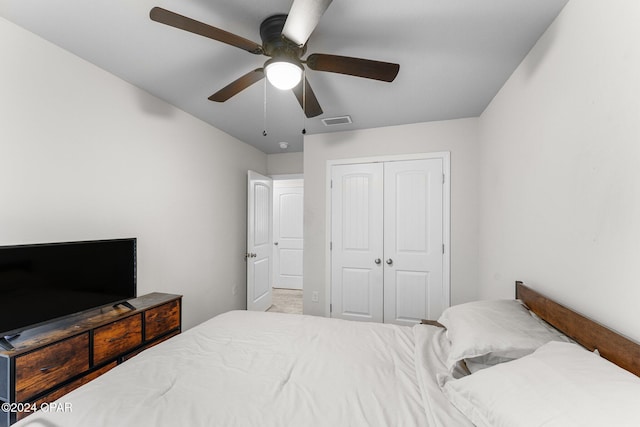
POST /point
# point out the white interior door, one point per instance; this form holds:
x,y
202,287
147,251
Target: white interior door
x,y
288,207
259,242
357,246
388,236
413,241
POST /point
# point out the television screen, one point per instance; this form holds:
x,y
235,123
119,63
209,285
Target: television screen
x,y
42,282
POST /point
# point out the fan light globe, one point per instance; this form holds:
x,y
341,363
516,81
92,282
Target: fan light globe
x,y
283,74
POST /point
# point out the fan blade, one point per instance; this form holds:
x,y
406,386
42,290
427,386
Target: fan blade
x,y
303,18
307,97
173,19
238,85
384,71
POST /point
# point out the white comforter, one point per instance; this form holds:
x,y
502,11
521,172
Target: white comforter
x,y
269,369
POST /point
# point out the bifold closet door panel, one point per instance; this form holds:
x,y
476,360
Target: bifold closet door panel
x,y
413,239
357,242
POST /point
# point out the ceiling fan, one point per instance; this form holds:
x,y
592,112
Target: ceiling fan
x,y
284,39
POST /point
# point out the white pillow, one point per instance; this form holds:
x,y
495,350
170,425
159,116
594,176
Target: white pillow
x,y
559,385
485,333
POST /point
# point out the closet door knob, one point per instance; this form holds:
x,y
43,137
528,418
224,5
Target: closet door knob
x,y
389,261
378,261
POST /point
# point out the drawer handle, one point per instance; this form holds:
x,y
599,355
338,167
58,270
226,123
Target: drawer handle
x,y
47,369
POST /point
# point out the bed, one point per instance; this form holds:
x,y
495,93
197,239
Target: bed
x,y
272,369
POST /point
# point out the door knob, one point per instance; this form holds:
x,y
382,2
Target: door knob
x,y
275,243
378,261
389,261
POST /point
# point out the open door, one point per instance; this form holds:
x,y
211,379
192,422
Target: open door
x,y
259,241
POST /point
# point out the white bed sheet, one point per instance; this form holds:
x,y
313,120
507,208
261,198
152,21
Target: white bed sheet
x,y
270,369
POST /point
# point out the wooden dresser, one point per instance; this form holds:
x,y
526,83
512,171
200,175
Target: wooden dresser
x,y
50,360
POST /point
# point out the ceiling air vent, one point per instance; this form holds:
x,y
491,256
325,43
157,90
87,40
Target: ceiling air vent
x,y
334,121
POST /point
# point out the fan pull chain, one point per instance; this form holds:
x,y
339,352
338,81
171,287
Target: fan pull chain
x,y
304,102
264,118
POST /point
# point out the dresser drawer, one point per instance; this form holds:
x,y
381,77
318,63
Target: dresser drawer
x,y
117,338
162,319
47,367
59,392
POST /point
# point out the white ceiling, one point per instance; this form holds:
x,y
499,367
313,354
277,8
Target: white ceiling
x,y
454,56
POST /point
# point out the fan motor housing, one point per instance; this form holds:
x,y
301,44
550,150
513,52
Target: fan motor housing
x,y
273,43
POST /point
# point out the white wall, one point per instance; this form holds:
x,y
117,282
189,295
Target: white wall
x,y
560,176
85,155
457,136
285,163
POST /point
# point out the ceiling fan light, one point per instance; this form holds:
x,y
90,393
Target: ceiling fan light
x,y
283,74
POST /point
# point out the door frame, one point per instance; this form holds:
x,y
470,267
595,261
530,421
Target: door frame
x,y
445,156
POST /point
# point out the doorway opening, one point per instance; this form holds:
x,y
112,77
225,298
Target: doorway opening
x,y
275,243
288,243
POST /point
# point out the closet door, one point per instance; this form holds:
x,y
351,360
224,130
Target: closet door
x,y
357,245
288,238
413,241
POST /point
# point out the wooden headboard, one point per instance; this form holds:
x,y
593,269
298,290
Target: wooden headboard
x,y
592,335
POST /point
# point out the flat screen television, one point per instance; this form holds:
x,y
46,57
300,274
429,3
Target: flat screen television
x,y
42,282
